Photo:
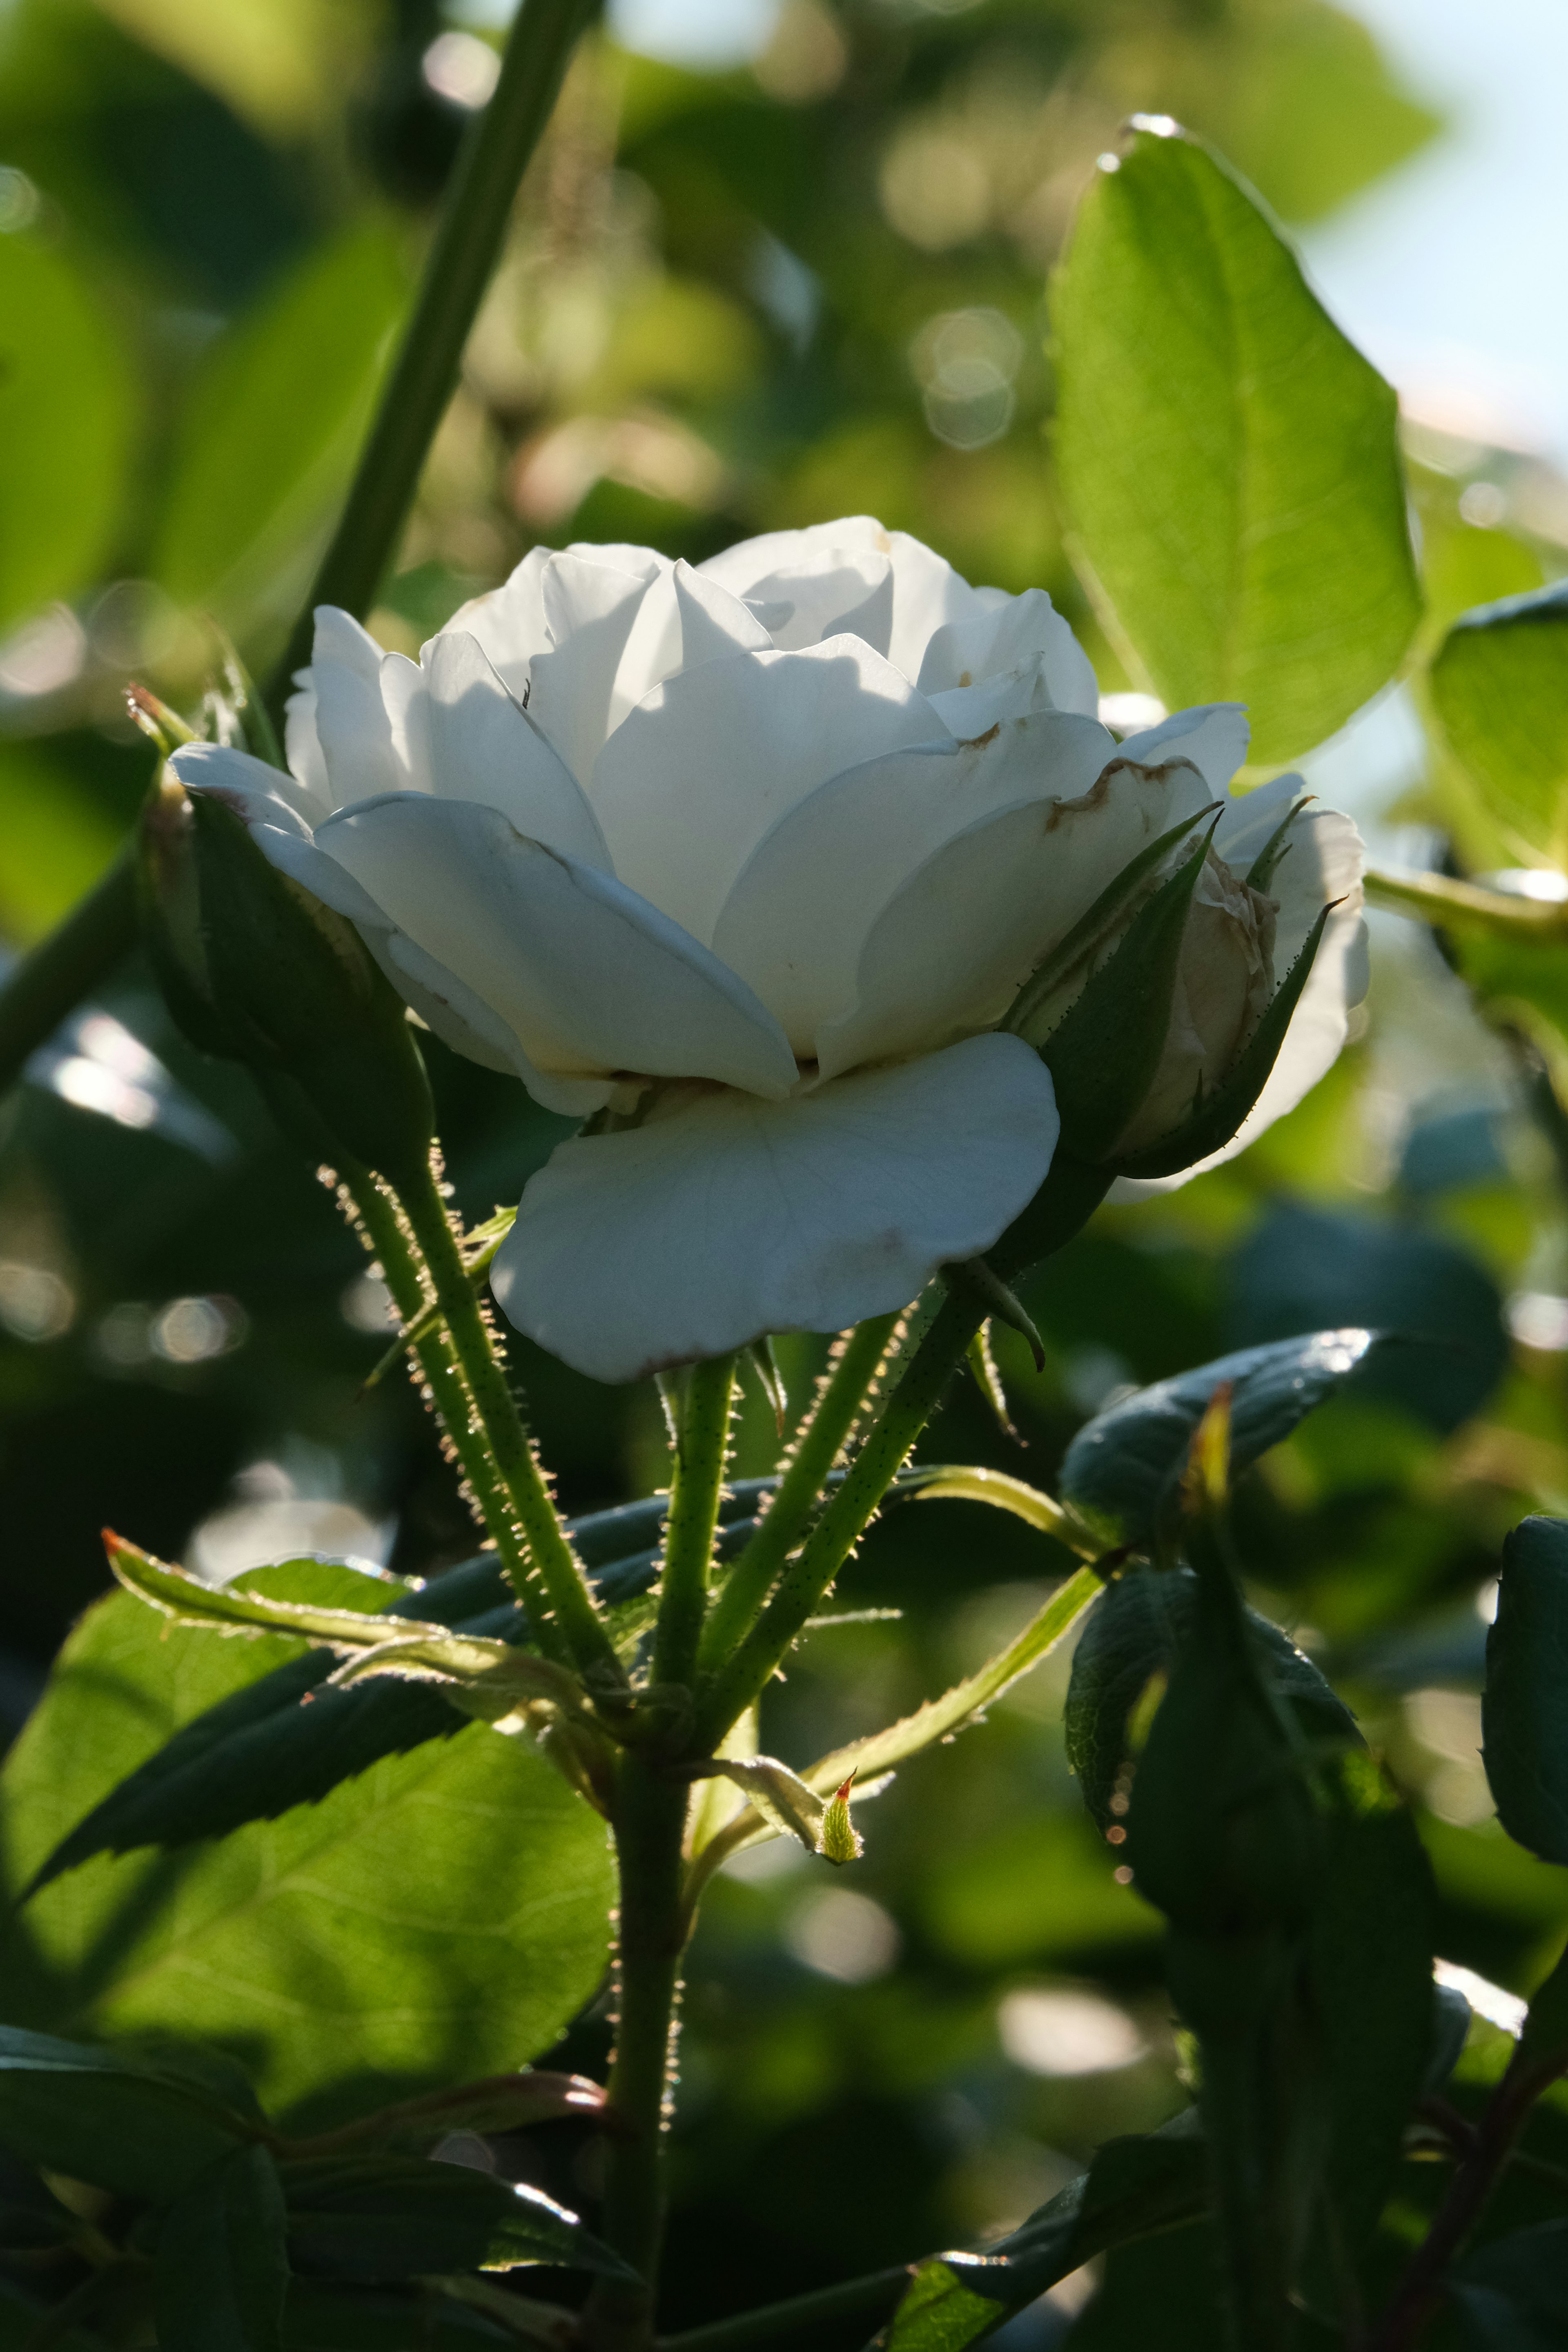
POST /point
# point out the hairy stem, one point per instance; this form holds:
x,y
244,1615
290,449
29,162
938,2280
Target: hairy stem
x,y
423,375
701,1447
649,1820
878,2292
750,1579
443,1372
806,1578
552,1586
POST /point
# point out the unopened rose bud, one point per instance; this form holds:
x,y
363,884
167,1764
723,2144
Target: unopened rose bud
x,y
1224,984
258,970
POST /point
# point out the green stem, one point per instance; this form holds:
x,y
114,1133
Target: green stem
x,y
750,1580
701,1447
449,1393
425,373
649,1818
52,978
806,1580
553,1587
877,2292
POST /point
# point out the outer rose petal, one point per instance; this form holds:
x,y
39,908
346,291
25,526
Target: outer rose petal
x,y
691,781
797,918
727,1217
953,945
351,723
1324,864
589,979
1213,735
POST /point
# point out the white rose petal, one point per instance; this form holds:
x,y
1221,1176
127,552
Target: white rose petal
x,y
729,1217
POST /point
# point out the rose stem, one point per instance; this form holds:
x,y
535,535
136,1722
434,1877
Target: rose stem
x,y
442,1369
556,1586
816,1450
649,1818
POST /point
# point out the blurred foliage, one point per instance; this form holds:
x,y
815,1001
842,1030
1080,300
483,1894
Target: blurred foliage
x,y
730,301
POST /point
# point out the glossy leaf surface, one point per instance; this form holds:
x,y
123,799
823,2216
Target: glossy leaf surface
x,y
1226,457
1524,1706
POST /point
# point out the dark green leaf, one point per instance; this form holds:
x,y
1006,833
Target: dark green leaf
x,y
439,1917
220,2267
1134,2187
1123,1468
373,2219
1499,686
1132,1635
1524,1705
1302,1268
319,2317
1227,459
1512,2295
146,2123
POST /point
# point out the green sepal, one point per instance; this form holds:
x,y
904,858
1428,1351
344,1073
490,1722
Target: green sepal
x,y
1266,864
972,1275
1103,1053
1034,998
1217,1120
256,970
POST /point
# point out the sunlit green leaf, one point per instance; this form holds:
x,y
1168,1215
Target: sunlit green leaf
x,y
387,2217
1499,686
1226,457
271,429
67,416
439,1917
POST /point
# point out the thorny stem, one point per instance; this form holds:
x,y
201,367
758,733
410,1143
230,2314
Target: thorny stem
x,y
816,1448
702,1448
806,1581
553,1586
1420,2291
443,1371
649,1820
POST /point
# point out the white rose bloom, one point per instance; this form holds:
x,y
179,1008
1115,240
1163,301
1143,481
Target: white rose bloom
x,y
749,859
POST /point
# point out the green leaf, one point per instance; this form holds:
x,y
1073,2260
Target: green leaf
x,y
220,2264
67,417
440,1917
319,2317
1512,2295
373,2219
1134,2187
1123,1468
1500,687
1525,1704
145,2124
1227,459
502,2103
271,430
260,1751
